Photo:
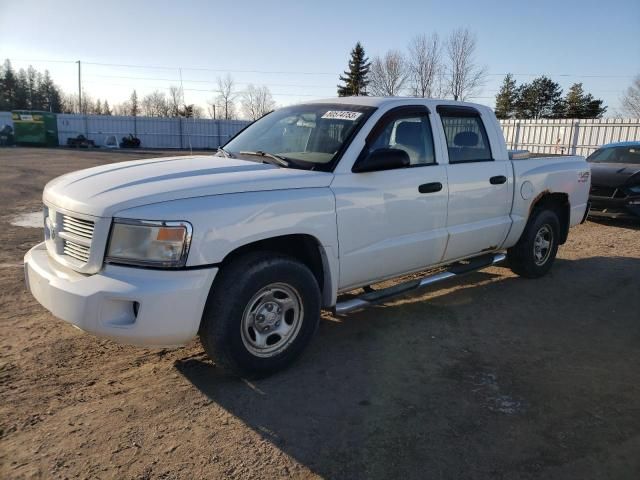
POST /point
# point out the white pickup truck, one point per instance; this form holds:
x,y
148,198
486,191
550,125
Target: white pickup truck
x,y
245,247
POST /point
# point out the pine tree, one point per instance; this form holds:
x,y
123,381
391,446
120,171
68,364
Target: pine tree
x,y
135,108
49,94
21,99
577,104
507,98
542,98
98,109
34,79
355,78
8,86
105,109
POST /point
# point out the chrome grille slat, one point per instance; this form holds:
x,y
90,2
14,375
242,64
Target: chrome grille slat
x,y
74,250
82,228
75,238
78,222
78,231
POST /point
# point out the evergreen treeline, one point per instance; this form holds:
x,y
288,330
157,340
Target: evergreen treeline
x,y
542,98
28,90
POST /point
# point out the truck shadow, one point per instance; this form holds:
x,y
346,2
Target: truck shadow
x,y
446,383
631,224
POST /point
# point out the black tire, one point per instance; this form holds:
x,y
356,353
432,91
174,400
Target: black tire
x,y
523,257
223,331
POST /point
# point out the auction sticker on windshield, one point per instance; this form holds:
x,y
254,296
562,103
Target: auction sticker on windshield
x,y
342,115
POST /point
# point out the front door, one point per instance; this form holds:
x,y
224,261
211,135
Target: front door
x,y
393,221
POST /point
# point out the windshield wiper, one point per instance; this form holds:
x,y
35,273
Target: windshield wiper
x,y
269,158
225,154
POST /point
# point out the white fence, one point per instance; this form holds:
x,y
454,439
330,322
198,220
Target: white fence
x,y
153,132
568,137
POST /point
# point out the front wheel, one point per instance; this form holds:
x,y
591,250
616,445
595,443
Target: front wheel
x,y
533,255
261,313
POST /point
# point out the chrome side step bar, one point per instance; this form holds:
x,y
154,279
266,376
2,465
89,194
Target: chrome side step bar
x,y
455,270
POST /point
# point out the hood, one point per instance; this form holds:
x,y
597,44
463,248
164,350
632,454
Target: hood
x,y
613,174
102,191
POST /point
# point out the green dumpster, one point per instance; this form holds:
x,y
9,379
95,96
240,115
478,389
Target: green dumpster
x,y
35,128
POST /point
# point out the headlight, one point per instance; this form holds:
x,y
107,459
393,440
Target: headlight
x,y
634,189
149,243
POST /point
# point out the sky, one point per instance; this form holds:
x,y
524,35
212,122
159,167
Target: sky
x,y
299,48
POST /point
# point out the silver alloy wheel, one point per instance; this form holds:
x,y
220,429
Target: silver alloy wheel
x,y
542,245
272,320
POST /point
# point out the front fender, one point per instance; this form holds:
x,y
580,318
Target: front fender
x,y
223,223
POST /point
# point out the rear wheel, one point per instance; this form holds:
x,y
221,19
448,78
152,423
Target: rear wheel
x,y
261,313
535,252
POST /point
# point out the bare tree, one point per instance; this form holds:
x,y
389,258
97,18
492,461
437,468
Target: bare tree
x,y
155,105
197,111
464,77
191,111
257,101
175,101
70,103
389,74
630,101
223,106
122,109
425,66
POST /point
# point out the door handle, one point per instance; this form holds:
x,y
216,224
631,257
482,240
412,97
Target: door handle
x,y
430,187
497,180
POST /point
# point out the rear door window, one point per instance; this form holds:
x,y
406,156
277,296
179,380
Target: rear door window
x,y
467,139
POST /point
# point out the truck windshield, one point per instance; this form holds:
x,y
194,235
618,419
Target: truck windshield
x,y
616,155
307,136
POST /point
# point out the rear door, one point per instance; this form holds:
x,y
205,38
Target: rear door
x,y
479,185
393,221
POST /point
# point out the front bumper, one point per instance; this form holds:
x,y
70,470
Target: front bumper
x,y
626,208
129,305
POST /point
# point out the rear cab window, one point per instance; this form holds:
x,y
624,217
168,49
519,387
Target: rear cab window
x,y
466,136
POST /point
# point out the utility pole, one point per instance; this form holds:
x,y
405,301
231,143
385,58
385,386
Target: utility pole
x,y
79,89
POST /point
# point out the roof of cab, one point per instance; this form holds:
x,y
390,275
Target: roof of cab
x,y
386,101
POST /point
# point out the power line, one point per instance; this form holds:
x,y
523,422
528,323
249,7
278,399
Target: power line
x,y
293,72
205,69
213,82
199,89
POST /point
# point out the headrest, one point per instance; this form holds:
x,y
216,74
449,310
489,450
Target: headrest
x,y
408,133
466,139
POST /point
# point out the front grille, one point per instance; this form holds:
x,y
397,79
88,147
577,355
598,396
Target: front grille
x,y
75,250
77,226
77,235
75,240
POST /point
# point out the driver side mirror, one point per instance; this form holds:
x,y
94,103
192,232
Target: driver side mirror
x,y
382,159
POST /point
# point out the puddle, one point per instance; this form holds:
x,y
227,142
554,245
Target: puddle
x,y
28,220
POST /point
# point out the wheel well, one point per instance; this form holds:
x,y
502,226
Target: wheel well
x,y
558,203
304,248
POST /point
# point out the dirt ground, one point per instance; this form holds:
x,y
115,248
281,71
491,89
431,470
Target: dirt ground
x,y
490,377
